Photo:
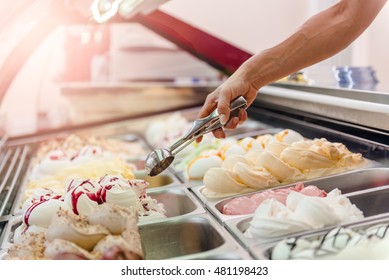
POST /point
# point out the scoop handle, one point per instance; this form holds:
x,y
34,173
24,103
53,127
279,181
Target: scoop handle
x,y
209,123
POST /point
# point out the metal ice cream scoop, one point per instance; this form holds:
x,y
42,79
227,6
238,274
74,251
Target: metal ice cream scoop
x,y
160,159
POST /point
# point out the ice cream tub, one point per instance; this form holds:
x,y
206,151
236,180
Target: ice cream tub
x,y
165,180
348,183
185,237
371,203
366,237
353,181
198,158
177,201
194,237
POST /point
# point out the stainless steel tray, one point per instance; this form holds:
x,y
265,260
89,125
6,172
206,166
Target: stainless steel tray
x,y
162,180
326,182
372,202
178,201
194,237
263,251
185,237
349,182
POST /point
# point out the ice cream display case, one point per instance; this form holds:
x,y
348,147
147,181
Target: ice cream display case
x,y
308,161
355,193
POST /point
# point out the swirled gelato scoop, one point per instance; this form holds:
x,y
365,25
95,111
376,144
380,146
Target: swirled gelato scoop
x,y
320,157
237,175
83,195
197,168
40,213
272,219
80,237
114,218
76,229
278,168
117,191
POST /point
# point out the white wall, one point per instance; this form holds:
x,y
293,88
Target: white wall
x,y
252,25
377,48
255,25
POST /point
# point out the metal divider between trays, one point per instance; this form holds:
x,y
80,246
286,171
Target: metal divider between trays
x,y
225,248
12,168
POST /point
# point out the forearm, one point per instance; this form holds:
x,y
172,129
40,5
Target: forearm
x,y
320,37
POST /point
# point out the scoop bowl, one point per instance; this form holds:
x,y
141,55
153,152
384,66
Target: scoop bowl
x,y
157,161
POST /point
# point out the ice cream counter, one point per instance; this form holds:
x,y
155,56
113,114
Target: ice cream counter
x,y
284,185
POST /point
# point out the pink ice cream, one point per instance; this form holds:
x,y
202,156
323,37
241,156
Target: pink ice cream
x,y
248,203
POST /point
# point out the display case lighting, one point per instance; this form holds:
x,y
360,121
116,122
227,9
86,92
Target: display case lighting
x,y
104,10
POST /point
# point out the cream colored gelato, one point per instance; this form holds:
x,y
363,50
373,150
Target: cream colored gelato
x,y
273,219
236,175
287,163
71,236
211,152
76,229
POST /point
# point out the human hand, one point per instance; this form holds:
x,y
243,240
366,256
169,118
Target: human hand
x,y
221,98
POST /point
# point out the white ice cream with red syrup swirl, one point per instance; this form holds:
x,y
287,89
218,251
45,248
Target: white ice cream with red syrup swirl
x,y
83,196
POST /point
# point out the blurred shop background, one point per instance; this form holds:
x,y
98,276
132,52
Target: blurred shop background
x,y
85,71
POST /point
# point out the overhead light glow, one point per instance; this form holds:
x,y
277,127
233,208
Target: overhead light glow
x,y
103,10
